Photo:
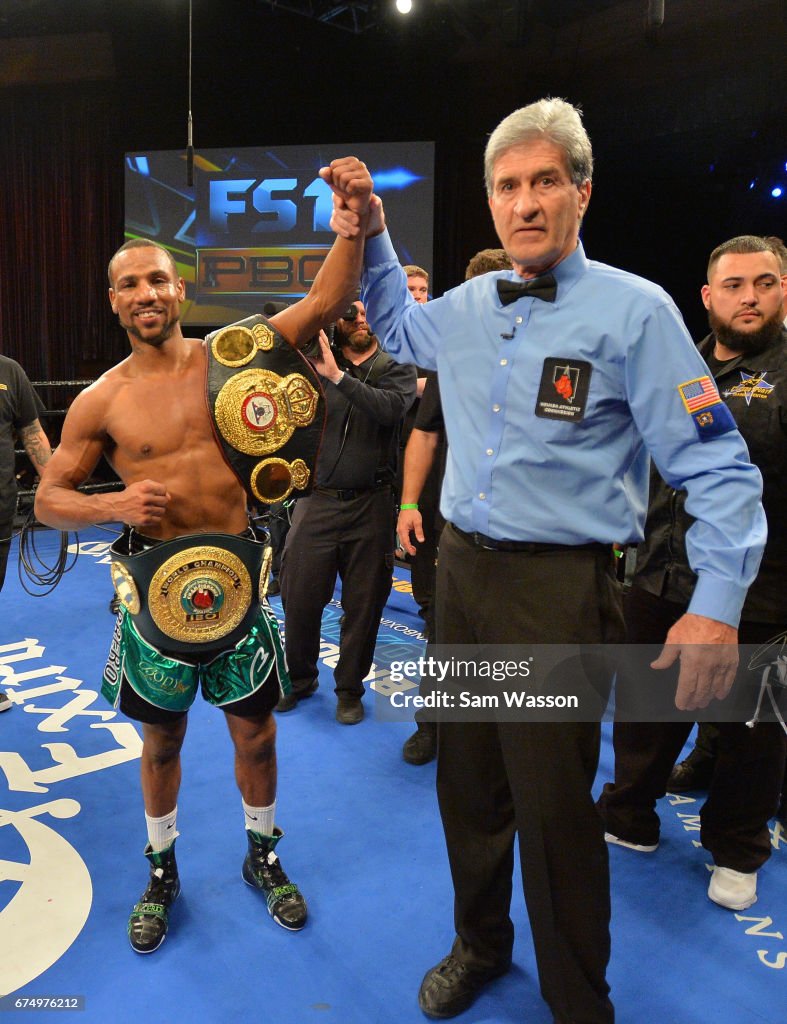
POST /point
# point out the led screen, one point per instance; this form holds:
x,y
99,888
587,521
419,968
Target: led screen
x,y
253,226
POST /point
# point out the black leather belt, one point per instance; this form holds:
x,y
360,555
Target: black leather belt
x,y
350,493
480,540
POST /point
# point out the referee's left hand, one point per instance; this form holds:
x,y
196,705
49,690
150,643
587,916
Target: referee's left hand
x,y
708,652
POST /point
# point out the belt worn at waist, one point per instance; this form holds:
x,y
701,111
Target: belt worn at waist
x,y
480,540
349,493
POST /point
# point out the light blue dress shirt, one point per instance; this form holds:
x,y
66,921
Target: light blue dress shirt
x,y
577,471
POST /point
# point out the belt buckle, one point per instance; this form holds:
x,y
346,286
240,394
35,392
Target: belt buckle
x,y
481,542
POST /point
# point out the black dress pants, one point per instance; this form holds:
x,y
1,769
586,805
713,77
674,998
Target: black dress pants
x,y
499,780
747,777
354,539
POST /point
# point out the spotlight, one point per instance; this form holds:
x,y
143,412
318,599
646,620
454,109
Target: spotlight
x,y
777,192
404,6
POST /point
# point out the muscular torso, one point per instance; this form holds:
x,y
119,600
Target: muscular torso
x,y
158,428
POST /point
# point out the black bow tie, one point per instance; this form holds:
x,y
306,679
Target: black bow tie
x,y
542,288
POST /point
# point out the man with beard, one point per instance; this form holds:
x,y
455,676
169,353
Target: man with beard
x,y
149,416
345,527
747,355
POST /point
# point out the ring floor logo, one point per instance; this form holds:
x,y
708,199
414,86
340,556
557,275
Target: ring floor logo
x,y
45,887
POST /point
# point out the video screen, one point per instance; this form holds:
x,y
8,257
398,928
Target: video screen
x,y
254,226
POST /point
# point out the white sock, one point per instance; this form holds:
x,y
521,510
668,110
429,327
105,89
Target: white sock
x,y
162,831
260,819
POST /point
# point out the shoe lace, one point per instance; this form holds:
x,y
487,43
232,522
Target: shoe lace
x,y
451,968
272,872
159,888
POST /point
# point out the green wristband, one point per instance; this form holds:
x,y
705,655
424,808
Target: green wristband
x,y
406,508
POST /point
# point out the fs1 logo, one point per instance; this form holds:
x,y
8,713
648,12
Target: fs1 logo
x,y
230,259
242,206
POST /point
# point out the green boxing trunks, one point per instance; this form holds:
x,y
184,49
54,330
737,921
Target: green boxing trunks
x,y
169,683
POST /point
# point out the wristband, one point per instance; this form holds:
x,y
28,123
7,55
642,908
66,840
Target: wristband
x,y
336,383
407,508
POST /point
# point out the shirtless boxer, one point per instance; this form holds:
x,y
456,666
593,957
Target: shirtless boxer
x,y
148,416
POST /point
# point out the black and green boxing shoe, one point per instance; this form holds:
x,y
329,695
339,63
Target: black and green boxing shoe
x,y
262,869
148,923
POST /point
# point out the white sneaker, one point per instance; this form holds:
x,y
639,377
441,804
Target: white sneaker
x,y
639,847
735,890
5,701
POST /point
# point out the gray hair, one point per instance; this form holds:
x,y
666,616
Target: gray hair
x,y
742,244
552,119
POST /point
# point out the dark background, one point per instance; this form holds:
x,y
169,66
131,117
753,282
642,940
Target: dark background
x,y
683,118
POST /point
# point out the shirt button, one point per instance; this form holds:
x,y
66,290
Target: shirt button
x,y
518,320
490,451
482,496
504,362
495,408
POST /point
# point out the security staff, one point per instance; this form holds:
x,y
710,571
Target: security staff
x,y
556,379
747,354
345,527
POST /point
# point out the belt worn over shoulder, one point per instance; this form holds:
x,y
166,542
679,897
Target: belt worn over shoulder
x,y
196,592
267,408
350,493
480,540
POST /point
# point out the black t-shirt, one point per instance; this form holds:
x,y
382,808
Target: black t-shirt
x,y
19,407
430,410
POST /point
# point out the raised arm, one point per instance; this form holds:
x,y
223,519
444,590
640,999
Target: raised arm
x,y
58,502
336,283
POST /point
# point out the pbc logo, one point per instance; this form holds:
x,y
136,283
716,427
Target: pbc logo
x,y
274,270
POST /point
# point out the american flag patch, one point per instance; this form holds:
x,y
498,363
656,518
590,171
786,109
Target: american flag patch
x,y
698,394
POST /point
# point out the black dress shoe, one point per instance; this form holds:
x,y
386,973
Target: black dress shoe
x,y
349,711
421,747
452,986
290,700
693,773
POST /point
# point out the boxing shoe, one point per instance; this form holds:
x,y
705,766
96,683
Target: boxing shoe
x,y
148,923
262,870
5,701
735,890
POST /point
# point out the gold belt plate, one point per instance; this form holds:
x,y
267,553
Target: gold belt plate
x,y
200,594
257,411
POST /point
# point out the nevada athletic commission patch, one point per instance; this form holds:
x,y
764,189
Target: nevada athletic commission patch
x,y
563,390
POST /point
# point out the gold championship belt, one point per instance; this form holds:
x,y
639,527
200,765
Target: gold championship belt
x,y
267,407
198,592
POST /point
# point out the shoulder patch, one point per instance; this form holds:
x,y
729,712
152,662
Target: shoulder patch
x,y
698,393
713,421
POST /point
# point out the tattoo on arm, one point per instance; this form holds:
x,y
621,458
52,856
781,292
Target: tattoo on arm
x,y
36,445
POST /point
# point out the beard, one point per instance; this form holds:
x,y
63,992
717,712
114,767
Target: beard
x,y
359,341
154,340
749,343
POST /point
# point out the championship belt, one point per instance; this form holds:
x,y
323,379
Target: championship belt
x,y
267,407
195,593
